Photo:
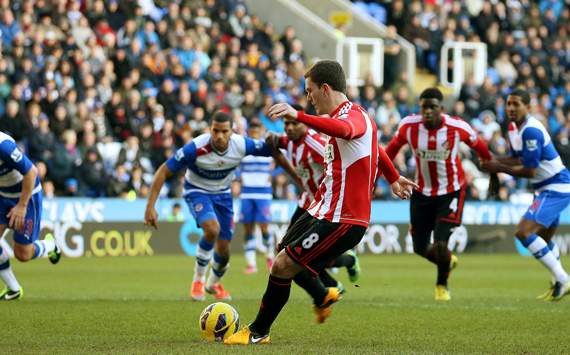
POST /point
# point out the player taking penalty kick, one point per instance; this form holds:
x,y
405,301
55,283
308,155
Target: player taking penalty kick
x,y
337,219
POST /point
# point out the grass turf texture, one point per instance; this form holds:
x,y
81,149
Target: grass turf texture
x,y
140,305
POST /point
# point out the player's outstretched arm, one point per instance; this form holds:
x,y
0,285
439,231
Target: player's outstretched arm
x,y
345,129
150,214
284,162
518,170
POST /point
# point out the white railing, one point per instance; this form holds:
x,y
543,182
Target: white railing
x,y
409,50
461,50
355,73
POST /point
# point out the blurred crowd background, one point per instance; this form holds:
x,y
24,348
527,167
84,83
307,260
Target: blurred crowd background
x,y
100,93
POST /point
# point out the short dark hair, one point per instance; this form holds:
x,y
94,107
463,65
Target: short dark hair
x,y
328,72
221,117
431,93
525,97
255,123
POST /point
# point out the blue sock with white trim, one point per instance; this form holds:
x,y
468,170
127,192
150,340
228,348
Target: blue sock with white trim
x,y
538,247
6,273
204,253
43,247
219,268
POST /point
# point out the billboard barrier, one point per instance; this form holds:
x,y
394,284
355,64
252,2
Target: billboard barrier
x,y
112,227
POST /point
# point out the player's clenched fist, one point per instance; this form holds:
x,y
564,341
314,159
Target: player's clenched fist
x,y
281,111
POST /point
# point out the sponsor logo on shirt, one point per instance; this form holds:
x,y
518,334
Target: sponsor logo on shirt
x,y
433,155
16,155
179,154
531,144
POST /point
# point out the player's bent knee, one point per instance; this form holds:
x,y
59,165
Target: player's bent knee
x,y
284,267
23,254
211,230
420,249
523,233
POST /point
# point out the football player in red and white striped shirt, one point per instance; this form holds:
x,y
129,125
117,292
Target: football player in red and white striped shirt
x,y
437,205
339,215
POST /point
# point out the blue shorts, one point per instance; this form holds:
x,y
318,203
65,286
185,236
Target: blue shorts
x,y
547,207
255,210
32,222
219,207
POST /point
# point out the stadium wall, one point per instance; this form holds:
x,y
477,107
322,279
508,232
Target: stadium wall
x,y
113,227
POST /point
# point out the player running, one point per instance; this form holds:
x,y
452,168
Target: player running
x,y
20,210
533,156
337,219
256,196
437,205
210,161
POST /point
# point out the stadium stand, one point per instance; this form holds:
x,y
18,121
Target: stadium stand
x,y
99,93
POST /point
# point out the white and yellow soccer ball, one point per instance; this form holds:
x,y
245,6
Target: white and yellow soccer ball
x,y
218,321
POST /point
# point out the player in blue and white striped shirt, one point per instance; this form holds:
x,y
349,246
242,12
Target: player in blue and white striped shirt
x,y
210,161
534,157
256,195
20,210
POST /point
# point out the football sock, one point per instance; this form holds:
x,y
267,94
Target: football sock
x,y
312,285
219,267
327,279
538,247
43,247
6,273
344,260
274,299
250,250
554,249
268,242
203,256
443,268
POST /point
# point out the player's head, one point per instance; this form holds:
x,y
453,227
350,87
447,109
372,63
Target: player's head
x,y
293,128
431,107
324,82
255,129
221,130
518,103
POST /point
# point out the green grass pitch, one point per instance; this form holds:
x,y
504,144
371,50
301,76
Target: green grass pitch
x,y
140,305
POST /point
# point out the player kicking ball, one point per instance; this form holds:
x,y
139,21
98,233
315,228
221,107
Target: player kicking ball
x,y
210,161
306,150
533,156
20,210
338,217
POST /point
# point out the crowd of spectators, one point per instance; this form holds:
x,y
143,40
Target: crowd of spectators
x,y
100,93
528,45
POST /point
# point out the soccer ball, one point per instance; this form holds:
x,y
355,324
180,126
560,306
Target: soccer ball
x,y
218,321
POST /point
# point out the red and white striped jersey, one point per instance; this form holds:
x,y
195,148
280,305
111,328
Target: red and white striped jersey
x,y
438,165
307,156
351,164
